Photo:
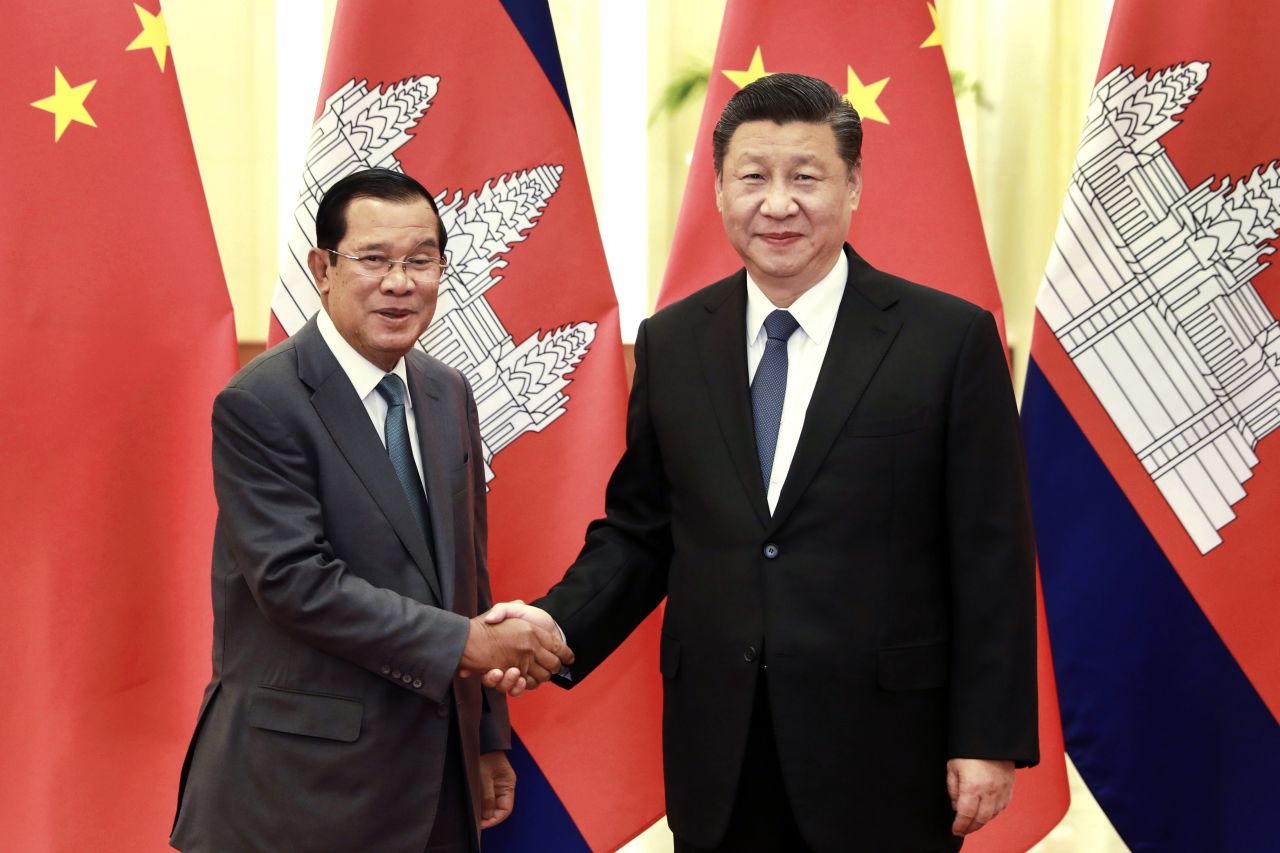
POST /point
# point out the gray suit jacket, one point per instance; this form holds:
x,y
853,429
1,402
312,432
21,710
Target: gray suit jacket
x,y
336,634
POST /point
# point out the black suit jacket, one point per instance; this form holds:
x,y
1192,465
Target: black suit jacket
x,y
891,593
336,633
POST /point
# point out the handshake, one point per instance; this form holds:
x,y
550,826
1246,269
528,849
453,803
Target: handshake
x,y
514,647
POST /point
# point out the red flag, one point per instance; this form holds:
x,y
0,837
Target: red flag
x,y
117,334
918,218
469,99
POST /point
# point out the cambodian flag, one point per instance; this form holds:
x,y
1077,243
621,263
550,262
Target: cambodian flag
x,y
1149,410
468,97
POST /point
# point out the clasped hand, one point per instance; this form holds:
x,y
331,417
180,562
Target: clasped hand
x,y
514,647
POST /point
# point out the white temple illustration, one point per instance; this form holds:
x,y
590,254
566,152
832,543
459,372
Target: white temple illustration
x,y
1149,289
519,388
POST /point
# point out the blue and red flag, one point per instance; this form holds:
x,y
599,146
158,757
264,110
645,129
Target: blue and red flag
x,y
1150,404
468,96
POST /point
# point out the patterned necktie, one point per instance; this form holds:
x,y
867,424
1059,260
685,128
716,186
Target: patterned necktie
x,y
769,387
392,389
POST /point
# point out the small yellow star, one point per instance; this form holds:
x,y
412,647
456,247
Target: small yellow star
x,y
154,35
753,73
863,97
935,37
66,103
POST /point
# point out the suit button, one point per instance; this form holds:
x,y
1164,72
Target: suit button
x,y
417,684
770,551
395,673
386,670
407,678
750,654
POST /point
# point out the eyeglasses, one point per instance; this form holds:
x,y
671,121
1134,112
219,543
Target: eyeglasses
x,y
420,268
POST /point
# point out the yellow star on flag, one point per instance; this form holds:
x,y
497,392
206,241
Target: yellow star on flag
x,y
753,73
154,35
66,103
935,37
863,97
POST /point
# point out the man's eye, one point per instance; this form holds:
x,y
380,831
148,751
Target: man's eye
x,y
753,177
805,178
421,263
372,261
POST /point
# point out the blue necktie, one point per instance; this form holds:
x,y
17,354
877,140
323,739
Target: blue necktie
x,y
769,388
392,389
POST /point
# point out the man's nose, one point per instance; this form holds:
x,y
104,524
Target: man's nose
x,y
779,202
397,280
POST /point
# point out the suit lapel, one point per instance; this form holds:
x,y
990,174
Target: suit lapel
x,y
722,347
436,432
347,420
862,335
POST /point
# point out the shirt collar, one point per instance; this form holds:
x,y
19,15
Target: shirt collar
x,y
364,374
815,310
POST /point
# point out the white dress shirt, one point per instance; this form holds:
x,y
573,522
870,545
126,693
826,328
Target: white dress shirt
x,y
365,376
815,311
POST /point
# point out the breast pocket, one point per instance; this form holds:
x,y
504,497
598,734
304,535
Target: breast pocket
x,y
896,424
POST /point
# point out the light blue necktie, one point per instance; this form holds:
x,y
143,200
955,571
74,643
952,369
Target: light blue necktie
x,y
392,389
769,388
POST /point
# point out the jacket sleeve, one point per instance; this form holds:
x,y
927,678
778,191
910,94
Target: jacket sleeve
x,y
991,558
620,575
272,524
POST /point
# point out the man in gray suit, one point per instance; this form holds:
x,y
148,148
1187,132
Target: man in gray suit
x,y
345,593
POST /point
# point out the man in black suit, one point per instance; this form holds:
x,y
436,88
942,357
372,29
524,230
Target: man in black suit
x,y
345,593
823,476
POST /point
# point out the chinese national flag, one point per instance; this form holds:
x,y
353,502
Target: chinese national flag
x,y
918,218
117,333
468,97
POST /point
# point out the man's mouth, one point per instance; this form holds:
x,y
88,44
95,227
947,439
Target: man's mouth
x,y
394,313
780,238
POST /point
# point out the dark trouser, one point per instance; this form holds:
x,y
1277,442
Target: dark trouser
x,y
452,831
762,821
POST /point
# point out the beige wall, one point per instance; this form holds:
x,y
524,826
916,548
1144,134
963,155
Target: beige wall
x,y
224,53
1037,63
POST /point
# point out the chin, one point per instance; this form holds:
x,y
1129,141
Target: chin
x,y
782,270
393,348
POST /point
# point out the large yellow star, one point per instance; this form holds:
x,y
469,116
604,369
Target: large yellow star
x,y
753,73
154,35
935,37
863,97
66,103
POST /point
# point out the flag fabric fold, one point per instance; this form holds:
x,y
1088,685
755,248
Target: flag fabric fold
x,y
468,98
1148,411
918,218
117,334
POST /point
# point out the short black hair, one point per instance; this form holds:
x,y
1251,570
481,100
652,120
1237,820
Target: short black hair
x,y
386,184
786,98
